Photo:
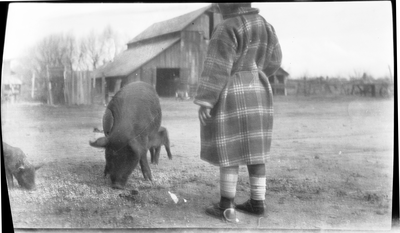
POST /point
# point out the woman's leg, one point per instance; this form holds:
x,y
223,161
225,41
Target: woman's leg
x,y
256,203
257,181
228,181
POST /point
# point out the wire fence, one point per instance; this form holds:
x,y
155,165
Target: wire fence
x,y
321,86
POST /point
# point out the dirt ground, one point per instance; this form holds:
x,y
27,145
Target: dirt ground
x,y
331,167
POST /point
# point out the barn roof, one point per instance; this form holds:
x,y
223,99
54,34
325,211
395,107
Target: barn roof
x,y
11,79
7,75
281,70
131,59
168,26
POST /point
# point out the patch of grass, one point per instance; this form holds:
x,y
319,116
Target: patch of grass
x,y
341,193
373,198
294,186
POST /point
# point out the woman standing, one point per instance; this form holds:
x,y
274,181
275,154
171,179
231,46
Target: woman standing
x,y
235,100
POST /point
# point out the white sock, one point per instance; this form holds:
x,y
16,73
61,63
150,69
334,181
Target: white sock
x,y
258,188
228,181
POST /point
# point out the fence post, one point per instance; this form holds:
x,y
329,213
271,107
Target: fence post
x,y
81,88
65,86
33,85
285,86
73,80
79,82
103,89
88,87
49,94
92,87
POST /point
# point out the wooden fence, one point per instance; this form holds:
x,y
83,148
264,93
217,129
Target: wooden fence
x,y
66,86
78,87
374,88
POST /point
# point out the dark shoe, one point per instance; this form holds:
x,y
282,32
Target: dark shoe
x,y
252,207
216,211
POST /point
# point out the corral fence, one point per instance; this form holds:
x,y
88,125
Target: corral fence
x,y
329,86
322,86
66,86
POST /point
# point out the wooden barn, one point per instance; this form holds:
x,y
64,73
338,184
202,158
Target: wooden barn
x,y
278,82
10,83
168,55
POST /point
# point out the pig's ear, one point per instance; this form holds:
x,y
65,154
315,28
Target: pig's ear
x,y
38,166
101,142
108,122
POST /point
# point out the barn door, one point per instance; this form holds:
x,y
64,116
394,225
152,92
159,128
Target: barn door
x,y
167,79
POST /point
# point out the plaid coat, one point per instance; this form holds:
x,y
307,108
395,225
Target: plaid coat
x,y
238,93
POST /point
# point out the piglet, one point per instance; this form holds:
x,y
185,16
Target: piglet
x,y
16,165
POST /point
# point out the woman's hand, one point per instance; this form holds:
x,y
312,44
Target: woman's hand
x,y
204,114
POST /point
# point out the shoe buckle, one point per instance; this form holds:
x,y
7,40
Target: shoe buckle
x,y
230,215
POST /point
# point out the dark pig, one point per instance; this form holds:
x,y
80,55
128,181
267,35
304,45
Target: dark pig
x,y
159,139
17,165
131,117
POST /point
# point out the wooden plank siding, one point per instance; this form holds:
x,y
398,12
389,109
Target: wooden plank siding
x,y
134,76
170,58
200,25
77,87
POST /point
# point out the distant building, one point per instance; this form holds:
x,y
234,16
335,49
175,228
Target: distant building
x,y
278,82
10,84
168,55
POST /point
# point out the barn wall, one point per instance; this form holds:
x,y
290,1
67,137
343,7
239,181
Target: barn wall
x,y
147,75
170,58
134,77
201,24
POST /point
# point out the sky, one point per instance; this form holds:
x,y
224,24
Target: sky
x,y
340,39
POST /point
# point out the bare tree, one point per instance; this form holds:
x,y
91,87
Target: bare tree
x,y
100,48
107,39
49,51
65,50
83,58
69,50
92,48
